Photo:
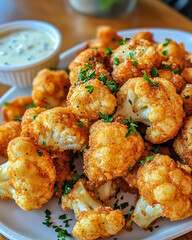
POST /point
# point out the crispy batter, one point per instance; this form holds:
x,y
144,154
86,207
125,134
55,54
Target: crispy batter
x,y
8,131
16,108
162,181
106,37
50,88
160,109
108,148
144,35
32,176
87,105
183,142
187,74
178,82
186,95
59,130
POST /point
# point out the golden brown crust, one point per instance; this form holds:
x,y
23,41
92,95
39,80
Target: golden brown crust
x,y
144,35
186,95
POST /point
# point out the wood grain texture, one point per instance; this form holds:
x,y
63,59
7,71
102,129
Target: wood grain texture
x,y
76,28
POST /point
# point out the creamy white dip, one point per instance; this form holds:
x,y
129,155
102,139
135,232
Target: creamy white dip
x,y
24,47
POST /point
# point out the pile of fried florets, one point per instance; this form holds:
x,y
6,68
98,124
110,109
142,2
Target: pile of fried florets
x,y
126,108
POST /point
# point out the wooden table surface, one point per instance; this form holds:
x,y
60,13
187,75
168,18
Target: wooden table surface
x,y
76,28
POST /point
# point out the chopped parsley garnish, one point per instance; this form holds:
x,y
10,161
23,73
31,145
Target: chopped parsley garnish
x,y
55,187
40,153
113,39
34,116
84,147
90,89
157,226
50,151
26,106
130,55
155,149
47,218
80,124
135,63
68,184
147,159
122,197
124,205
154,72
18,118
116,61
32,105
150,229
62,217
130,169
165,52
124,41
99,61
83,75
47,106
44,143
187,97
155,84
6,104
176,72
166,42
116,206
131,126
113,86
108,50
130,101
89,65
66,222
127,216
107,117
166,67
90,59
62,234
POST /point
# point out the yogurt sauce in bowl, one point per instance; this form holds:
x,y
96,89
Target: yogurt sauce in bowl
x,y
25,46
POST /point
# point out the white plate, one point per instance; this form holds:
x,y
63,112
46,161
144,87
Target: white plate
x,y
20,225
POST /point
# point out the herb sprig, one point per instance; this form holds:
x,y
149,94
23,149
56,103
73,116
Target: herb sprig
x,y
131,126
107,117
155,84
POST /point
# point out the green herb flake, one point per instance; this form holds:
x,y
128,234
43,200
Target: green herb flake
x,y
154,72
84,147
113,39
124,205
124,41
176,72
90,59
99,61
44,143
122,197
32,105
108,51
135,63
164,53
187,96
130,55
116,61
157,226
167,67
116,206
150,229
18,118
166,42
130,169
62,234
66,222
40,153
127,216
90,89
89,65
80,124
34,116
47,222
26,106
6,104
55,187
130,101
156,149
62,217
131,126
47,106
147,159
113,86
107,117
155,84
68,184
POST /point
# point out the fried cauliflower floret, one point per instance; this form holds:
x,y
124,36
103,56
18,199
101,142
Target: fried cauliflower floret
x,y
58,129
109,148
62,162
86,104
50,88
144,35
29,175
124,71
178,82
141,51
186,95
172,52
28,117
159,107
90,61
187,74
94,219
162,181
16,108
8,131
183,142
106,37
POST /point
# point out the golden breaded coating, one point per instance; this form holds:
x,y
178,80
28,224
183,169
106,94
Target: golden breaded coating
x,y
28,117
187,74
106,37
50,88
124,71
86,100
16,108
89,61
186,95
162,181
172,52
159,107
31,173
109,148
62,162
8,131
144,35
58,129
141,51
183,142
178,82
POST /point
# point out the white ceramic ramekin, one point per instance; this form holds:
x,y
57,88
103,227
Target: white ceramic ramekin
x,y
23,75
